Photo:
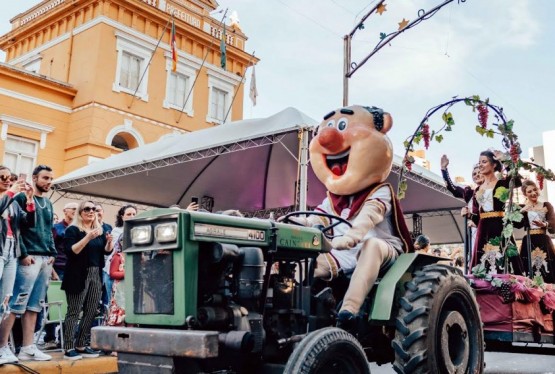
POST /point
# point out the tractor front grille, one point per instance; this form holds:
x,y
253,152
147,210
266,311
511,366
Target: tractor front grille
x,y
153,281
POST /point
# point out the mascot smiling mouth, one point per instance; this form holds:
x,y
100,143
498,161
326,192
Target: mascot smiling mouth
x,y
338,163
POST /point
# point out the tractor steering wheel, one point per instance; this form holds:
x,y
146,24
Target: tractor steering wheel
x,y
322,228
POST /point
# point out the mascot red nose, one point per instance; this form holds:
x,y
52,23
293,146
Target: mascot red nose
x,y
352,155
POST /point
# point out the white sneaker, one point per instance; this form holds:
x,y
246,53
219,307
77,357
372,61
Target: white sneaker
x,y
7,354
31,352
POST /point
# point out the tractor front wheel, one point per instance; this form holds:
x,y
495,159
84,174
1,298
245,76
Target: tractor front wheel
x,y
438,329
328,351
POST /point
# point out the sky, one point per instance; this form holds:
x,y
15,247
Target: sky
x,y
497,49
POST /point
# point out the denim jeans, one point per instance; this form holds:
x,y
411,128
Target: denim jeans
x,y
8,266
30,285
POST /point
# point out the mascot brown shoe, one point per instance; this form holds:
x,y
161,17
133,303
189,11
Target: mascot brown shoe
x,y
352,155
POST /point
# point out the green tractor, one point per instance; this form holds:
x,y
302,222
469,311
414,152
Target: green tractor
x,y
209,293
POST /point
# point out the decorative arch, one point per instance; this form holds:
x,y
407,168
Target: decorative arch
x,y
125,137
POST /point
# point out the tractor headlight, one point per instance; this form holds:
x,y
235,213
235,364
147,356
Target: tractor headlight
x,y
166,232
141,235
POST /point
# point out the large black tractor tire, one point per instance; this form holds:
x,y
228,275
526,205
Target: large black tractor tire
x,y
328,351
438,328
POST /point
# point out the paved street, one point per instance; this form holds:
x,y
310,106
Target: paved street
x,y
503,362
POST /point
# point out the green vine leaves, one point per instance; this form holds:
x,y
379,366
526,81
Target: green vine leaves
x,y
488,127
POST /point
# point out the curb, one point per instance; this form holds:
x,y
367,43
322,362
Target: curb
x,y
100,365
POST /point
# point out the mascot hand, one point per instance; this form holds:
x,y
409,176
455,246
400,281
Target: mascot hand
x,y
343,242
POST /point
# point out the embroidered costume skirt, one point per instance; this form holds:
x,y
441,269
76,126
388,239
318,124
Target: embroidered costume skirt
x,y
489,227
543,255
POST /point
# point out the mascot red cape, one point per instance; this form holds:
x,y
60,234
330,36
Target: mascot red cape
x,y
352,155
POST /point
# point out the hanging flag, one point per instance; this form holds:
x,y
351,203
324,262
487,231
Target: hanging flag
x,y
173,48
222,50
253,92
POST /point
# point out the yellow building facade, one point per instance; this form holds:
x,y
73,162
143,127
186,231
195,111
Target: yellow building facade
x,y
86,79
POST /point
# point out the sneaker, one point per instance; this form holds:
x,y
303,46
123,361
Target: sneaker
x,y
88,352
31,352
51,345
7,354
72,355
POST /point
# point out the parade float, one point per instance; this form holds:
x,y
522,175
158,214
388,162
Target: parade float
x,y
513,307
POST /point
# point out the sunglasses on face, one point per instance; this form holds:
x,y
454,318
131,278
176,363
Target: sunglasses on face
x,y
88,209
5,178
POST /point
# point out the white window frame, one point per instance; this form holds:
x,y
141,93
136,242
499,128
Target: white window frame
x,y
32,64
219,83
135,47
17,168
219,99
21,123
190,74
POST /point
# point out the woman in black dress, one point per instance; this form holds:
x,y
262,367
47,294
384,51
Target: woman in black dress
x,y
489,211
539,217
85,244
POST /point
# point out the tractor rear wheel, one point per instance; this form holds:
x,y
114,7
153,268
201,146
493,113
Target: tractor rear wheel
x,y
438,328
328,351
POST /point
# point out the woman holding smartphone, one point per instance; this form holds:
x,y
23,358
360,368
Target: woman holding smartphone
x,y
13,217
85,244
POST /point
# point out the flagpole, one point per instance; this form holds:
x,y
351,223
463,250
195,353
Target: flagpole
x,y
149,62
199,69
238,87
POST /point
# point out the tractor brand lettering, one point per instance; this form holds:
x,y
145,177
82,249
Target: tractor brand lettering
x,y
229,232
288,243
293,243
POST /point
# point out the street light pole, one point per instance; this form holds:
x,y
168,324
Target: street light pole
x,y
347,53
346,67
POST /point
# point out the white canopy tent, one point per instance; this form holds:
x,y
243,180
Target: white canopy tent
x,y
252,165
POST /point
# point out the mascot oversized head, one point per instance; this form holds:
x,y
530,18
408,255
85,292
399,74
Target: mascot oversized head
x,y
351,150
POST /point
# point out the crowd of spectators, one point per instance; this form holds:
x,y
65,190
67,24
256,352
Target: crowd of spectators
x,y
37,248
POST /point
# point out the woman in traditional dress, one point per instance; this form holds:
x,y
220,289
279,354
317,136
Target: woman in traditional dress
x,y
489,211
538,218
466,193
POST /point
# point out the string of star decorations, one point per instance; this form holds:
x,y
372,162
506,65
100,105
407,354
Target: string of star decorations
x,y
386,38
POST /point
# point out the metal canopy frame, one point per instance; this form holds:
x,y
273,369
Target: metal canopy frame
x,y
174,160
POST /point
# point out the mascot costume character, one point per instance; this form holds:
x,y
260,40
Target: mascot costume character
x,y
352,156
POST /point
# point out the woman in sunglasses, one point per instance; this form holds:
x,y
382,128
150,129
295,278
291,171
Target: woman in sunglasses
x,y
13,218
85,244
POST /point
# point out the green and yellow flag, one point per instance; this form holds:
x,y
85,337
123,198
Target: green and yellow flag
x,y
222,50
